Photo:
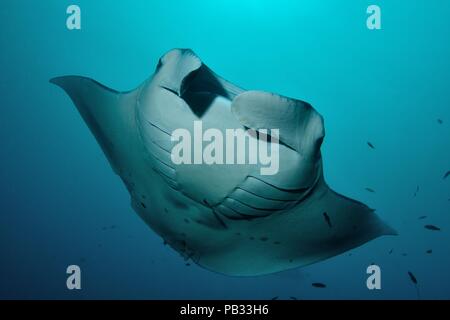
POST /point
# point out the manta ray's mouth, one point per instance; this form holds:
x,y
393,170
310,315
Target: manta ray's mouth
x,y
200,88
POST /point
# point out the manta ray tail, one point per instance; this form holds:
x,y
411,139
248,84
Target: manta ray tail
x,y
109,114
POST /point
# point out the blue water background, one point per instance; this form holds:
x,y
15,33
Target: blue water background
x,y
389,87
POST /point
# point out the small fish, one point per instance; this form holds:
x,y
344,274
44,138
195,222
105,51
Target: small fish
x,y
446,175
412,277
414,280
188,264
113,226
416,192
422,217
429,251
440,121
274,298
327,219
318,285
390,251
370,145
404,254
293,298
432,228
370,190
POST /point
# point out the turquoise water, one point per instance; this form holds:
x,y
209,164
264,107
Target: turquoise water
x,y
61,204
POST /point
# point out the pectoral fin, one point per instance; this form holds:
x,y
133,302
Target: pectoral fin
x,y
109,114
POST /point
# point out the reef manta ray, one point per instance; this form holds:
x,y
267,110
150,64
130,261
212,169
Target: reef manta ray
x,y
226,218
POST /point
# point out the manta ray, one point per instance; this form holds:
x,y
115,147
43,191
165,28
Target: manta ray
x,y
226,218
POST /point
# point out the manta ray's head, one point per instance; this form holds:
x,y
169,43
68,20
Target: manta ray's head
x,y
184,90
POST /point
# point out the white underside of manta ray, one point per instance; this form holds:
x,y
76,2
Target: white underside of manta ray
x,y
226,218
